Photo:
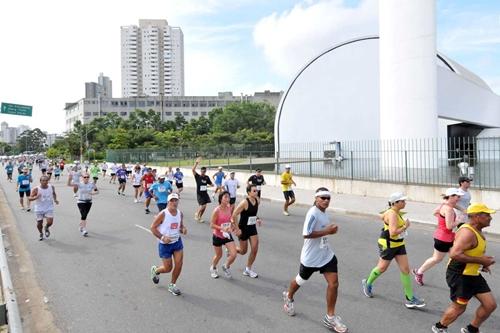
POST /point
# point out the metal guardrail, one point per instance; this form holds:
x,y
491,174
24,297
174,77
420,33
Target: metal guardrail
x,y
12,308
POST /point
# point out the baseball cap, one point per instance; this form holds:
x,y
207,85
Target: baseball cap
x,y
453,191
463,179
161,177
477,207
220,168
173,196
288,166
397,196
232,172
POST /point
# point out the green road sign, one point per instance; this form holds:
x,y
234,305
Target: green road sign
x,y
16,109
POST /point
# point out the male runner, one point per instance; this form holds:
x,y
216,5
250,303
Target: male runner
x,y
160,191
44,196
286,187
218,177
9,169
23,186
121,174
202,182
147,180
257,180
178,176
231,185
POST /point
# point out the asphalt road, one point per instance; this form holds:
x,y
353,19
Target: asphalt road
x,y
101,283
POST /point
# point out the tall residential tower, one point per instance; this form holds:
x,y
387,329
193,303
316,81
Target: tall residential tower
x,y
152,59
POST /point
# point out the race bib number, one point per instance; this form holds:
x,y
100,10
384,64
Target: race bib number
x,y
162,189
203,188
179,181
25,182
323,244
403,234
252,220
258,187
174,226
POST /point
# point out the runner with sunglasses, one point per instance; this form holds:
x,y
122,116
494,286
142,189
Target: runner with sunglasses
x,y
85,190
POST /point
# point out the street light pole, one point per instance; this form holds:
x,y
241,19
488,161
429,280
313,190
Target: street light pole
x,y
161,101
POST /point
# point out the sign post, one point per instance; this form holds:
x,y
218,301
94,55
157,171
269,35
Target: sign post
x,y
16,109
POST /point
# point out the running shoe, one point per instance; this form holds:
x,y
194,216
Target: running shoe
x,y
41,237
367,288
466,330
250,273
414,303
85,233
47,233
28,209
227,272
147,211
135,200
213,272
119,193
154,276
335,324
123,194
286,213
288,304
173,289
419,278
75,195
438,330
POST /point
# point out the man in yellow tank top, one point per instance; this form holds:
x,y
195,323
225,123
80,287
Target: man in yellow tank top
x,y
467,260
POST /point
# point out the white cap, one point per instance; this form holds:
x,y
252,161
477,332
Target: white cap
x,y
161,176
398,196
220,168
173,196
453,191
288,166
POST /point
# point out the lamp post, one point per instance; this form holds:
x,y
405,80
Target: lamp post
x,y
86,141
161,103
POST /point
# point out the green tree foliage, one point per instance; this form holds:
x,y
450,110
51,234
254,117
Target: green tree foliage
x,y
31,140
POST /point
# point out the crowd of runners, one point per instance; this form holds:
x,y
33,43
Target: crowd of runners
x,y
235,225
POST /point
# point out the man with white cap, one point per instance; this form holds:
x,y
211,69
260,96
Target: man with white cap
x,y
168,226
286,187
218,177
463,274
392,246
316,256
443,235
231,185
160,191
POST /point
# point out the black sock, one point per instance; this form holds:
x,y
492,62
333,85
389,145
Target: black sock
x,y
439,325
472,329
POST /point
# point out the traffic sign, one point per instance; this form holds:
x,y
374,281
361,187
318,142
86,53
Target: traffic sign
x,y
16,109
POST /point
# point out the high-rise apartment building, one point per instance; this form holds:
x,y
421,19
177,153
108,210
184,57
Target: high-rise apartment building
x,y
102,88
152,59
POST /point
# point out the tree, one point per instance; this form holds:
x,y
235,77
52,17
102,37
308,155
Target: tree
x,y
237,116
31,140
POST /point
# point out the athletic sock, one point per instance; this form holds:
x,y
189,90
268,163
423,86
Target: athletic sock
x,y
472,329
374,274
406,282
439,325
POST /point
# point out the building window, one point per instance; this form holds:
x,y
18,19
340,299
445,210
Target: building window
x,y
194,104
194,113
203,113
177,113
185,113
168,104
95,113
151,103
177,104
88,114
211,104
123,113
185,104
168,113
141,103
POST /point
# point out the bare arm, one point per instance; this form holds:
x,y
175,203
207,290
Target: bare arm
x,y
154,226
54,196
449,217
183,228
466,240
394,230
198,160
34,194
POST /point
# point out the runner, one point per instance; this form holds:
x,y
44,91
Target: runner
x,y
286,187
61,165
222,227
202,182
391,245
44,196
168,226
9,168
50,170
160,191
247,229
43,166
231,185
104,168
147,180
463,275
94,172
136,183
179,176
218,177
57,172
121,174
129,169
85,192
170,175
74,178
316,255
444,235
464,201
113,168
257,180
23,186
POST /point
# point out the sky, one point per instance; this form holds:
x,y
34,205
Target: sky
x,y
50,48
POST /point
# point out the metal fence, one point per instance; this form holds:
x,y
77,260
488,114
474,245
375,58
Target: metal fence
x,y
436,161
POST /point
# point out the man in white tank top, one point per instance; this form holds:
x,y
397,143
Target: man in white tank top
x,y
44,196
167,227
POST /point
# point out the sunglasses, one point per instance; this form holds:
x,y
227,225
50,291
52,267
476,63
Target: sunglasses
x,y
86,177
325,198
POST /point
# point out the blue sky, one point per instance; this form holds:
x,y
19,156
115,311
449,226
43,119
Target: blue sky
x,y
230,45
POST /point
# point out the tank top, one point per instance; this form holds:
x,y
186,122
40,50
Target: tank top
x,y
223,220
75,177
137,178
385,240
442,233
170,226
249,217
45,201
85,192
470,269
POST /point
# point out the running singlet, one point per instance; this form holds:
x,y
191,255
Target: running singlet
x,y
442,233
170,226
85,192
471,269
315,252
136,178
75,177
148,180
249,216
385,239
45,201
223,220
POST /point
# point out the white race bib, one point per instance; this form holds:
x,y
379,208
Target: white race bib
x,y
203,188
224,226
252,220
258,187
179,181
25,182
323,244
161,189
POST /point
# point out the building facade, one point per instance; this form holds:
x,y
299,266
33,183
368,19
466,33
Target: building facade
x,y
190,107
103,87
9,134
152,59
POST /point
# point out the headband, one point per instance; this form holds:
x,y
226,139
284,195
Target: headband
x,y
322,193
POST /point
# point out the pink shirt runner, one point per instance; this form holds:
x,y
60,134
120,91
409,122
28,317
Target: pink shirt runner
x,y
223,216
442,233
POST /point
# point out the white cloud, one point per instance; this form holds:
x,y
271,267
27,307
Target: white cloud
x,y
290,39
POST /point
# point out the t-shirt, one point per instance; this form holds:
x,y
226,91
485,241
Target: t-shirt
x,y
464,200
257,181
178,176
9,168
148,179
201,183
24,183
121,173
161,191
85,192
219,176
287,178
316,252
232,186
94,171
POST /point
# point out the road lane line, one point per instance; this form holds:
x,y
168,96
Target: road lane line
x,y
141,227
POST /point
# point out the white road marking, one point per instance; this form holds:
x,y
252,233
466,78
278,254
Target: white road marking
x,y
141,227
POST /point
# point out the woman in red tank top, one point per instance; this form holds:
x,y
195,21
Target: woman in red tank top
x,y
222,227
443,235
